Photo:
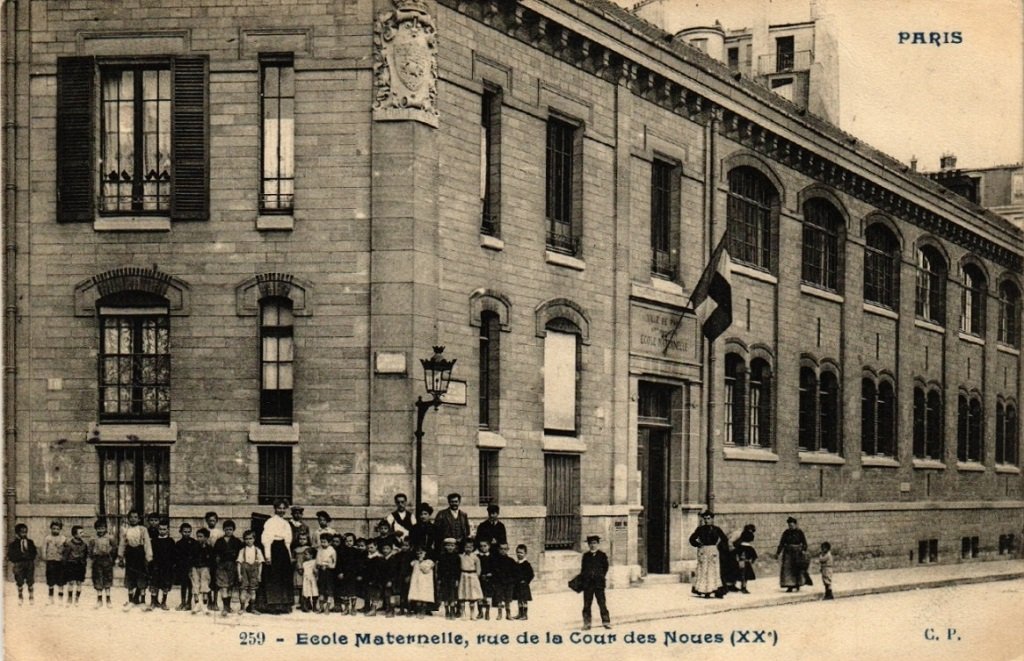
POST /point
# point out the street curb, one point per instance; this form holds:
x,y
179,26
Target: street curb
x,y
809,597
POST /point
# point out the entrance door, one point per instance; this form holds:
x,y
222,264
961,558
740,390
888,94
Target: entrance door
x,y
653,460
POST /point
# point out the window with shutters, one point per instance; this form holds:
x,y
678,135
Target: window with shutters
x,y
277,103
275,474
134,358
277,356
562,500
132,138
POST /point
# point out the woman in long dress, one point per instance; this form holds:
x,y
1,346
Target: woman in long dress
x,y
708,538
792,551
277,540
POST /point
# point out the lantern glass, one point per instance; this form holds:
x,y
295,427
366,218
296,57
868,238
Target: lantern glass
x,y
437,373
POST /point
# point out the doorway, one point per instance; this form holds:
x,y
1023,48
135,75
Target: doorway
x,y
654,461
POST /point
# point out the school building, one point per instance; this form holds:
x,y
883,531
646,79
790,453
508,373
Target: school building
x,y
233,230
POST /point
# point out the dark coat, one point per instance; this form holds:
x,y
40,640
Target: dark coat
x,y
448,525
493,533
593,569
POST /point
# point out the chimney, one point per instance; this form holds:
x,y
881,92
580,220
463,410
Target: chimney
x,y
947,162
913,163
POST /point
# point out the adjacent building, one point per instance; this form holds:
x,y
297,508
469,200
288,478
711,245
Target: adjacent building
x,y
234,230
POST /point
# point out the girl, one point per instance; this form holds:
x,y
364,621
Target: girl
x,y
298,554
421,586
746,556
469,581
307,569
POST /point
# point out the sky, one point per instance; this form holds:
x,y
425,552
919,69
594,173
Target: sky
x,y
911,100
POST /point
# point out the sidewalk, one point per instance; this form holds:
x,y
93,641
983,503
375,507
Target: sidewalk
x,y
666,600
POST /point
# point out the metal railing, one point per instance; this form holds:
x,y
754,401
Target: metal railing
x,y
563,243
663,263
800,60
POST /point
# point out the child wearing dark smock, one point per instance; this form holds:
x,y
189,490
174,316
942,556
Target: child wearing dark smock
x,y
448,574
134,553
225,553
103,551
486,578
185,550
503,569
74,555
161,569
21,553
521,589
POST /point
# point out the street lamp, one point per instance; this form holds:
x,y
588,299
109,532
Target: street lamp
x,y
437,372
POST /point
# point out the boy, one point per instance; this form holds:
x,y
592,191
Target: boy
x,y
53,549
593,569
323,519
326,561
448,573
185,550
406,558
492,530
250,567
373,572
225,553
391,577
73,556
134,553
21,553
825,561
211,518
298,527
503,569
384,534
521,588
487,580
347,565
161,569
337,543
356,567
153,525
103,553
199,572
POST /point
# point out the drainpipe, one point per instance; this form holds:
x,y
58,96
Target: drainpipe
x,y
9,237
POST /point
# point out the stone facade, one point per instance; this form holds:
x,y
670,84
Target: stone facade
x,y
383,257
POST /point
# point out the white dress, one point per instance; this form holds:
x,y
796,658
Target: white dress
x,y
421,586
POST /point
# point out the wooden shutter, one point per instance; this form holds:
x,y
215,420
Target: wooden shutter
x,y
190,154
75,137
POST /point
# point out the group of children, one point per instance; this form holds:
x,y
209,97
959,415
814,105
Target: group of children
x,y
332,572
388,575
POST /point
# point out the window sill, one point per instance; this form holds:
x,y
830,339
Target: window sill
x,y
562,444
491,242
929,464
880,311
489,439
744,453
132,224
283,222
823,294
970,467
567,261
930,326
133,433
973,339
260,433
1006,348
879,462
1007,469
666,286
821,458
755,274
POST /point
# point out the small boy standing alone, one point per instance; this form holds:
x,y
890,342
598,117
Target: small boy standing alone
x,y
250,567
134,553
185,550
53,549
74,556
326,561
21,553
199,572
225,552
103,553
161,569
825,561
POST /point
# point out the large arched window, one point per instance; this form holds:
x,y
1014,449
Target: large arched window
x,y
927,423
490,369
134,357
1009,314
819,418
1006,433
972,300
931,285
751,210
748,401
881,266
822,235
878,418
969,426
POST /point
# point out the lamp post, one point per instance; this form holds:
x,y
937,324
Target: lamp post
x,y
437,372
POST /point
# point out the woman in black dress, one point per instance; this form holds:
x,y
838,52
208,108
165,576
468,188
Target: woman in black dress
x,y
277,582
792,551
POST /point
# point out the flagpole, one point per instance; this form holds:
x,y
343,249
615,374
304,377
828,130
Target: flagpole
x,y
710,184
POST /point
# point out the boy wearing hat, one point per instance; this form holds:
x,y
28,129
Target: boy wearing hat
x,y
593,569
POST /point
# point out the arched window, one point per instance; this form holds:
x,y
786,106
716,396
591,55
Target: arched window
x,y
135,357
886,435
1009,314
931,285
822,234
819,410
928,423
868,416
752,205
881,266
490,368
1006,433
972,300
828,412
561,377
735,390
760,408
969,426
277,357
808,417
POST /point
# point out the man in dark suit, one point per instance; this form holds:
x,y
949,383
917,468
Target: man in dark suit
x,y
593,569
453,522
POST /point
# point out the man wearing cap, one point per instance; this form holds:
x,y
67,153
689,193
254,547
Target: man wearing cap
x,y
298,525
453,522
593,569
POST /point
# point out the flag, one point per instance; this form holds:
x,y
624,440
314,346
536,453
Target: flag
x,y
711,299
